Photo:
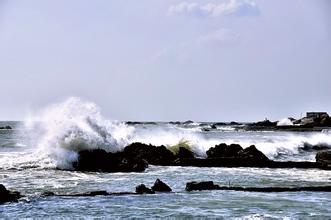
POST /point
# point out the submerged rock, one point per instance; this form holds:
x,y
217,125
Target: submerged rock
x,y
142,189
8,196
160,186
198,186
323,158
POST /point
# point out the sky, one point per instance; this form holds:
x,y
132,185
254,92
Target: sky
x,y
163,60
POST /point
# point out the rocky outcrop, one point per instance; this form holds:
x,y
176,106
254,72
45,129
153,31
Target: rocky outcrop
x,y
6,127
8,196
184,153
323,158
251,153
198,186
137,156
224,150
142,189
160,186
101,161
152,154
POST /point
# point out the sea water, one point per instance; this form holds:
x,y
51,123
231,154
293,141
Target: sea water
x,y
36,157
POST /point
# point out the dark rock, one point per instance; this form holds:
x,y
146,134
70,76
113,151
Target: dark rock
x,y
184,153
175,122
142,189
100,160
160,186
265,123
318,147
152,154
6,128
194,186
323,158
188,122
8,196
253,154
48,193
234,123
223,150
213,126
220,124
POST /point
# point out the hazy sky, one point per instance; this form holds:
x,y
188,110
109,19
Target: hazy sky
x,y
210,60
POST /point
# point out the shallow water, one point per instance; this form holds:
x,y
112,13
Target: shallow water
x,y
22,170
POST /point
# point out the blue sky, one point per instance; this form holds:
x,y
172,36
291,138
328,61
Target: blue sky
x,y
211,60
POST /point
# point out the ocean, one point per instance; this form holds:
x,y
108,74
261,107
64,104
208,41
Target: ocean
x,y
36,157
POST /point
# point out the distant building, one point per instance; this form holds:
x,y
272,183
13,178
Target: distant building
x,y
315,114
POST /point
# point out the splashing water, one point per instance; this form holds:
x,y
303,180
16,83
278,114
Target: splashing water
x,y
66,128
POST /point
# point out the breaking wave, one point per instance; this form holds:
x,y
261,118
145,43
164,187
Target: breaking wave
x,y
57,133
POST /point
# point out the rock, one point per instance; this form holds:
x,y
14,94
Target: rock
x,y
265,123
213,127
253,154
223,150
8,196
142,189
101,161
220,124
318,147
152,154
323,158
188,122
234,123
6,128
207,185
184,153
160,186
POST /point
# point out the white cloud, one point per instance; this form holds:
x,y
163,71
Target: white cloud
x,y
228,7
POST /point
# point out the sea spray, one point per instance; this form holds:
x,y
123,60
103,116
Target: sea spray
x,y
63,129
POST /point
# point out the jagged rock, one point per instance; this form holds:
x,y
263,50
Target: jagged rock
x,y
8,196
160,186
207,185
253,153
100,160
142,189
224,150
234,123
152,154
323,158
184,153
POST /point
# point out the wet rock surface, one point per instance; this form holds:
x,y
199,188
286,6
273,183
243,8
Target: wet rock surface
x,y
160,186
8,196
137,156
323,158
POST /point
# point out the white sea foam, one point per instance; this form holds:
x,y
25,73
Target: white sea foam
x,y
63,129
